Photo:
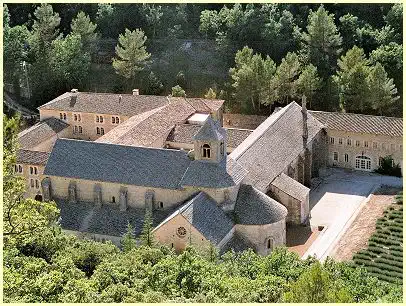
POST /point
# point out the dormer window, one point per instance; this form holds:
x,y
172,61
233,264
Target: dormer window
x,y
206,151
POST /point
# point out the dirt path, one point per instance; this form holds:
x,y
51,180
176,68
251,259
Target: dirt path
x,y
356,237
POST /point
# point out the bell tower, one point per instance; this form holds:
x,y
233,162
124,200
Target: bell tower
x,y
210,142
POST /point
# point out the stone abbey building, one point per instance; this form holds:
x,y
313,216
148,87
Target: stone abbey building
x,y
106,159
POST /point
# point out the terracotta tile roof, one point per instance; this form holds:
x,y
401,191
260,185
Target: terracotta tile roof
x,y
87,160
32,157
127,105
40,132
183,133
269,149
358,123
255,208
291,187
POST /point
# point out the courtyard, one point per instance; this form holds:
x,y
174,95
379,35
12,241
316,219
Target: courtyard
x,y
335,199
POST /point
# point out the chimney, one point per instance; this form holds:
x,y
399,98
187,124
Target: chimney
x,y
120,97
304,115
136,92
73,97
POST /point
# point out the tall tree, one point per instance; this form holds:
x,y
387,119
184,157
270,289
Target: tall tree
x,y
147,237
153,14
286,77
83,27
322,41
154,85
21,217
308,83
352,81
69,63
382,90
128,241
104,16
131,54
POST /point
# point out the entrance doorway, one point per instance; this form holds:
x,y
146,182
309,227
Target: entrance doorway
x,y
363,163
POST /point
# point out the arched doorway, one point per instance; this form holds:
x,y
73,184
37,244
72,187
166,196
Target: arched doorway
x,y
363,163
38,197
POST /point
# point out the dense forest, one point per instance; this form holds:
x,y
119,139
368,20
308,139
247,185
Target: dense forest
x,y
343,57
43,264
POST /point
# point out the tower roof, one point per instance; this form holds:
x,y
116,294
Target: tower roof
x,y
210,131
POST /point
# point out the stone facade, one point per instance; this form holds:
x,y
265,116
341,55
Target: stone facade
x,y
345,147
32,176
88,123
169,235
259,235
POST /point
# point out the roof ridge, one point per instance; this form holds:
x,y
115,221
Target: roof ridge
x,y
355,114
277,115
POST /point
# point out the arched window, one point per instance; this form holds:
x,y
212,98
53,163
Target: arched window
x,y
206,151
36,184
75,130
97,118
15,168
101,119
80,130
35,170
98,131
113,199
117,120
79,119
64,116
113,119
102,131
20,169
60,116
31,170
75,117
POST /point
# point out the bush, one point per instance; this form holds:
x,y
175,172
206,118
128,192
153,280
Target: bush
x,y
387,167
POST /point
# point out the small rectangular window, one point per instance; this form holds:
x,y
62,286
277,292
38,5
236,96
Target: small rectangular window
x,y
31,170
98,131
346,158
60,116
75,117
36,184
102,131
101,119
348,142
340,141
113,120
357,143
335,156
35,170
332,140
97,118
366,144
80,130
79,119
117,120
20,169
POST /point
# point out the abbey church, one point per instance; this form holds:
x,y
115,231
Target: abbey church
x,y
106,159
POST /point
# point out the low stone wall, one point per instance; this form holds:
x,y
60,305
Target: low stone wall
x,y
250,122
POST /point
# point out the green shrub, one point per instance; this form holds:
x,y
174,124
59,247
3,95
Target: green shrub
x,y
387,167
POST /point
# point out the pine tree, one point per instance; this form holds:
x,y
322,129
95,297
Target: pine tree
x,y
352,81
210,94
131,54
286,76
382,90
147,237
178,91
308,82
154,86
83,27
128,241
322,41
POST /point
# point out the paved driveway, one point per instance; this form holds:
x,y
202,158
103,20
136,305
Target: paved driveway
x,y
334,200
